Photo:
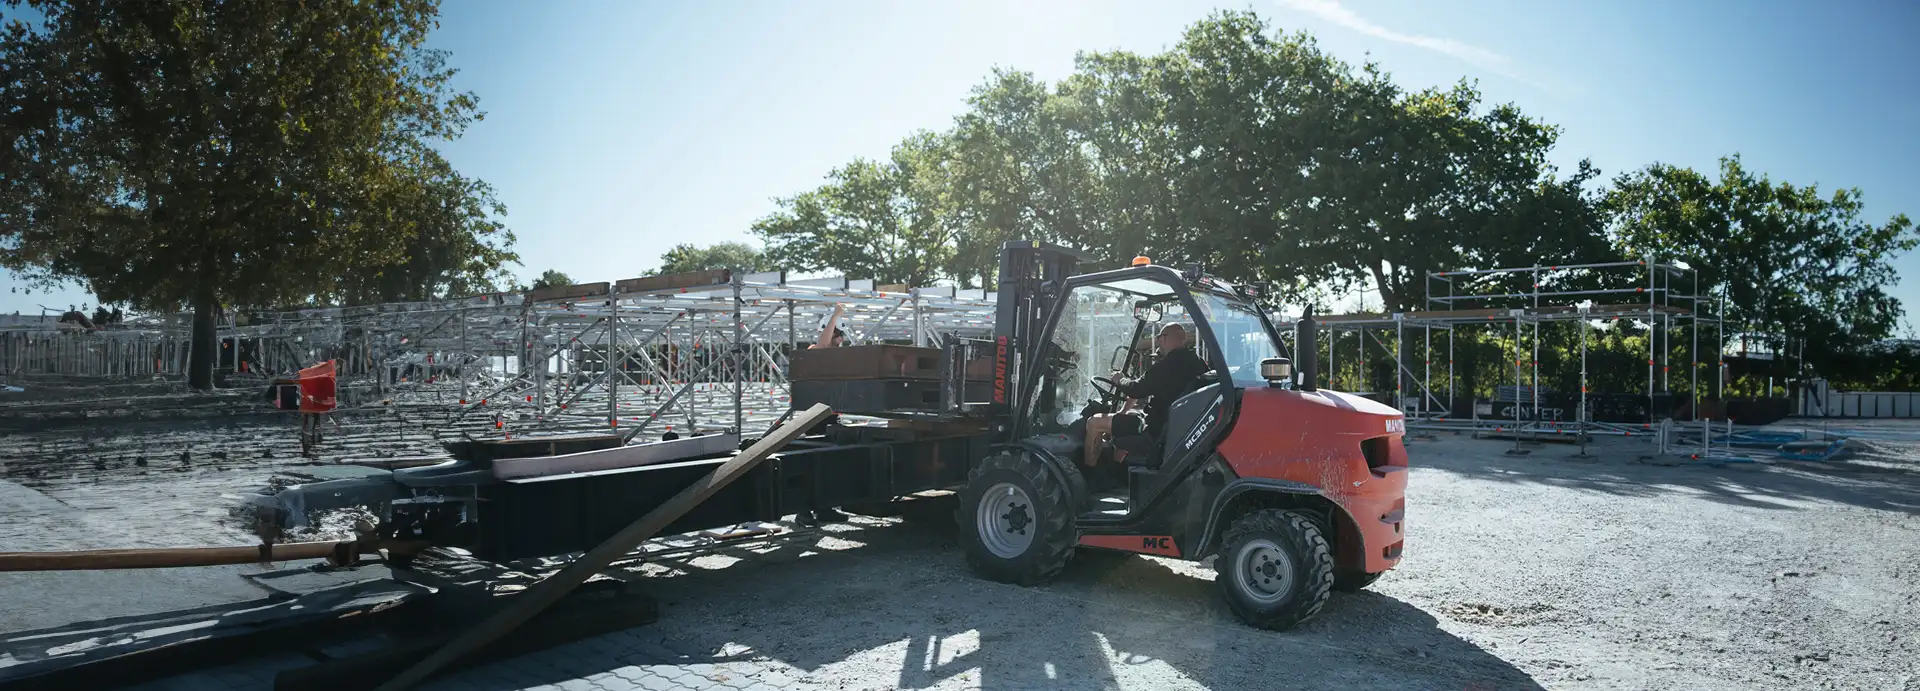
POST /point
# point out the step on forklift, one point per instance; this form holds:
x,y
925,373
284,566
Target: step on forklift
x,y
1295,491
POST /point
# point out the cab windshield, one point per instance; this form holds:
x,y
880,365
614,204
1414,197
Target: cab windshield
x,y
1242,334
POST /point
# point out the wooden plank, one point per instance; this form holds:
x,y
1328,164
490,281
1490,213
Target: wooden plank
x,y
680,282
632,456
583,290
543,594
1502,313
1358,317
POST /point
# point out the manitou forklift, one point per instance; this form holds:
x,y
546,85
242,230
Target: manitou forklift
x,y
1297,491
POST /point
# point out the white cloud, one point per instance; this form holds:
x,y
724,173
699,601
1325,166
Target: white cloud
x,y
1334,12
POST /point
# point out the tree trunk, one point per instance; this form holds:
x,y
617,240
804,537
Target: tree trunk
x,y
206,346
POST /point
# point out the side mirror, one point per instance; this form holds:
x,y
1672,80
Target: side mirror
x,y
1277,371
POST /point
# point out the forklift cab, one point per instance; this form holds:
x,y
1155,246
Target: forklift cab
x,y
1101,329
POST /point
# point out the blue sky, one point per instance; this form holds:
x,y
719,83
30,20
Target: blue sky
x,y
616,129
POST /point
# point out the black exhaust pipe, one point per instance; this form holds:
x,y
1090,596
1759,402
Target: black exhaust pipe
x,y
1306,351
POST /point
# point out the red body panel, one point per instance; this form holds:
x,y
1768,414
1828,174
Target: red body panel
x,y
1314,438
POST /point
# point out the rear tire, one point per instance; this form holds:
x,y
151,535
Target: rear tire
x,y
1016,520
1275,568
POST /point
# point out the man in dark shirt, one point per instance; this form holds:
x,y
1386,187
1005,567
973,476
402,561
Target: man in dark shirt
x,y
1170,378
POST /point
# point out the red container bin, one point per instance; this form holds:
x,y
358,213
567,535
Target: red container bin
x,y
317,388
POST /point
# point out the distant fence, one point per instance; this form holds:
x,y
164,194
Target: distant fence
x,y
105,354
1816,399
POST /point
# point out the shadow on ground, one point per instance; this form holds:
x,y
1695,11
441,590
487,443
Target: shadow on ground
x,y
1873,475
893,606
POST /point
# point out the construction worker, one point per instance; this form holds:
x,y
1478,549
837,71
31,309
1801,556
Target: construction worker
x,y
832,334
1171,377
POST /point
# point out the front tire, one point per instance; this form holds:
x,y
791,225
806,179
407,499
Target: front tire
x,y
1275,568
1016,520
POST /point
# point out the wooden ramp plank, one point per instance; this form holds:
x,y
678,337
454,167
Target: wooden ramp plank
x,y
543,594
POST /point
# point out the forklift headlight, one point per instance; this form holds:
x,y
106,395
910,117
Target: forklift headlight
x,y
1276,370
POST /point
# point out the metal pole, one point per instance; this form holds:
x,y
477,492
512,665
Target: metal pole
x,y
540,368
1399,364
739,365
614,360
1652,327
1535,380
1333,367
1427,372
1516,388
1582,427
919,322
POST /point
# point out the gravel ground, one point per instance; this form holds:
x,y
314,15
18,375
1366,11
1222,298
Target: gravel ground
x,y
1536,571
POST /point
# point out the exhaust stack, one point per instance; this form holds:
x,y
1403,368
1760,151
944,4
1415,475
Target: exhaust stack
x,y
1306,351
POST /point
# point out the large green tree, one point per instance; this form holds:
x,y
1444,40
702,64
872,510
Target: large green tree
x,y
551,278
203,153
1256,153
1791,262
720,255
884,220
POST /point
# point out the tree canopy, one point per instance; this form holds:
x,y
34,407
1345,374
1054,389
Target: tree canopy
x,y
1257,154
245,153
720,255
551,278
1250,151
1791,262
882,220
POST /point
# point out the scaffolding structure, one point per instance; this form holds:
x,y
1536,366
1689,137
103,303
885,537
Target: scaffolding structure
x,y
1659,296
687,353
706,351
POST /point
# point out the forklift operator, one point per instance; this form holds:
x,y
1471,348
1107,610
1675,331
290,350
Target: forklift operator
x,y
1168,379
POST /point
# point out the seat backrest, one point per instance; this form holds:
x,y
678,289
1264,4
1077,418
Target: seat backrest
x,y
1184,415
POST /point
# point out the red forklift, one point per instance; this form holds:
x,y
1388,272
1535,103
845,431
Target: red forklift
x,y
1296,491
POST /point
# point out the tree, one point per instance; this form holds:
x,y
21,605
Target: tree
x,y
1260,156
872,219
551,278
244,153
720,255
1792,263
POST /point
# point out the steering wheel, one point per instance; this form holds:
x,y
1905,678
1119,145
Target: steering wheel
x,y
1109,392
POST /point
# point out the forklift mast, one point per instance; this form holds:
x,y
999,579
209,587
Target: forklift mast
x,y
1031,277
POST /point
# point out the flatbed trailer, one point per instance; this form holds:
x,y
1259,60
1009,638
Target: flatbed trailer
x,y
838,466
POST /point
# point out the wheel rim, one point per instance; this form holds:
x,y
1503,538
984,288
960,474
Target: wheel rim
x,y
1263,571
1005,520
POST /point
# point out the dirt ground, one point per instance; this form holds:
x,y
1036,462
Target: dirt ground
x,y
1534,571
